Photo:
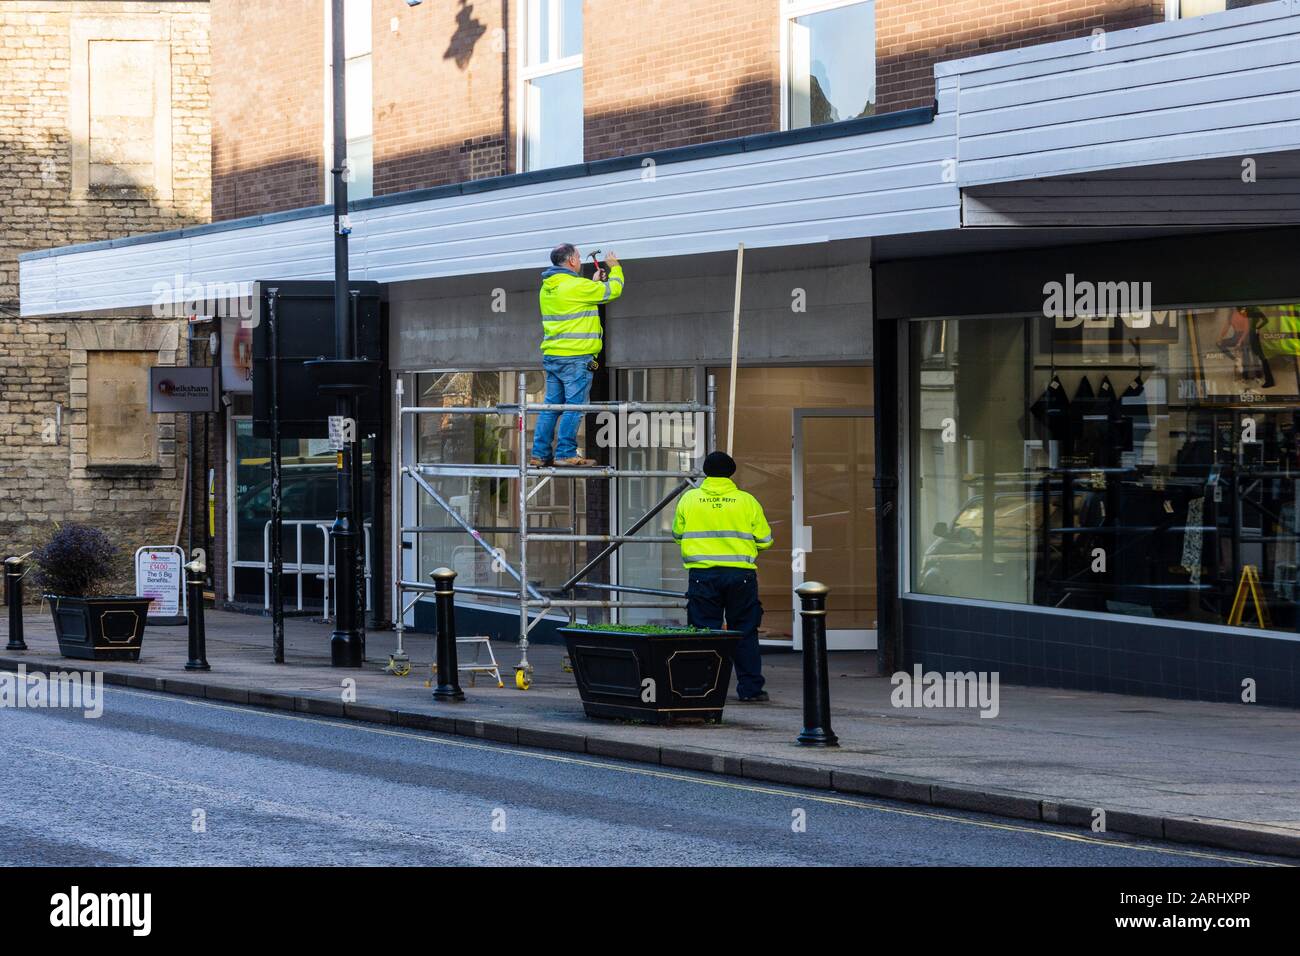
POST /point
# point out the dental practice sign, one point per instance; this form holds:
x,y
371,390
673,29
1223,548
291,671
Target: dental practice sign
x,y
181,389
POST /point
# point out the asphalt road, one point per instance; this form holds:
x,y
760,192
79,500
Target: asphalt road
x,y
160,780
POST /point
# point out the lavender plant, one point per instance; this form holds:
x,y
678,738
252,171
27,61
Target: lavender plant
x,y
76,561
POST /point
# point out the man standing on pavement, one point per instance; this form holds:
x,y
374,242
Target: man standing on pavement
x,y
721,529
571,340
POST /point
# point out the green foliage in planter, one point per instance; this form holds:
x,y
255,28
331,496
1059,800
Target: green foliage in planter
x,y
642,628
76,561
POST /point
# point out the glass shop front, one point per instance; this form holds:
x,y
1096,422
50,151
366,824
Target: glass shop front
x,y
1143,464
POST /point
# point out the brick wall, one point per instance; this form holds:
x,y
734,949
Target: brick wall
x,y
442,92
657,74
663,73
912,35
268,107
44,476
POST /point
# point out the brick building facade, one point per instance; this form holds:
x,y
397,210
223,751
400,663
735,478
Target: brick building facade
x,y
446,81
103,133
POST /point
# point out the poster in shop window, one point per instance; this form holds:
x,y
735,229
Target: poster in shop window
x,y
1245,353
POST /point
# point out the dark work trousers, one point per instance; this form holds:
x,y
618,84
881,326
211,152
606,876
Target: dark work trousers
x,y
730,593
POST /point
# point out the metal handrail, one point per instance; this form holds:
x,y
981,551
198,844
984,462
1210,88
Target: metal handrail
x,y
299,568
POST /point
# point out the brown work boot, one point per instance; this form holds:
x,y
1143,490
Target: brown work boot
x,y
535,462
574,462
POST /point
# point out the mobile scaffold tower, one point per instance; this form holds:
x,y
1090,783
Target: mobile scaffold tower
x,y
534,601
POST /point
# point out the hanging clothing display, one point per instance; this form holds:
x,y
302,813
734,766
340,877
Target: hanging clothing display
x,y
1052,412
1194,539
1090,419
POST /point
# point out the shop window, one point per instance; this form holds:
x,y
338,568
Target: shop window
x,y
308,494
359,90
119,427
1185,9
830,61
551,75
487,502
1146,463
665,443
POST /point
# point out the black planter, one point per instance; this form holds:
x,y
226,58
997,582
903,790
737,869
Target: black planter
x,y
107,628
690,672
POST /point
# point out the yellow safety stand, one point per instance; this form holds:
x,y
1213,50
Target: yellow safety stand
x,y
1249,584
474,668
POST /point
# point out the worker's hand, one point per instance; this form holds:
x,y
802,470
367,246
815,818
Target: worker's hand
x,y
611,260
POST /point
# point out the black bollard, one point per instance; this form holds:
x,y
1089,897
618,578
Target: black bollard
x,y
816,677
198,637
444,595
14,598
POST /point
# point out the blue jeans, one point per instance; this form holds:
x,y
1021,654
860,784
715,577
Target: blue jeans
x,y
568,381
715,593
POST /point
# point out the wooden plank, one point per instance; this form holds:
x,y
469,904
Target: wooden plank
x,y
1107,77
874,184
1230,186
1242,141
1148,97
1220,117
1138,43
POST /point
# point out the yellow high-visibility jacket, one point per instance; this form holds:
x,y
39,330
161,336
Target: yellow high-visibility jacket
x,y
1281,333
570,320
720,526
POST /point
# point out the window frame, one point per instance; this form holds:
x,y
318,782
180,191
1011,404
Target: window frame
x,y
906,506
327,85
142,359
1174,10
528,73
791,10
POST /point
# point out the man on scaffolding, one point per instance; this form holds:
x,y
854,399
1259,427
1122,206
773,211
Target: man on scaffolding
x,y
571,340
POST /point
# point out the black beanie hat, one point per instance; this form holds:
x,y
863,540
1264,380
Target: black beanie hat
x,y
718,464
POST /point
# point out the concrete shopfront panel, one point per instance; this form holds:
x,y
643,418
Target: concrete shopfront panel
x,y
800,304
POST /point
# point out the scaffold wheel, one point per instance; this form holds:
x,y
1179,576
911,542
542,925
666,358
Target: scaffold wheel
x,y
523,677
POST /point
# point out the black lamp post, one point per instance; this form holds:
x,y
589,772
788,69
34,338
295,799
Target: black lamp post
x,y
345,376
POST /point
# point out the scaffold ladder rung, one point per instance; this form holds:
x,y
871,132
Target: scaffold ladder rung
x,y
533,604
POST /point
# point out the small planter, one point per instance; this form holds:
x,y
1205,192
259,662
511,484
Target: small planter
x,y
109,628
658,676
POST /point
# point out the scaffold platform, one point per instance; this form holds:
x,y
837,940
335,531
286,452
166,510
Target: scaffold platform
x,y
412,475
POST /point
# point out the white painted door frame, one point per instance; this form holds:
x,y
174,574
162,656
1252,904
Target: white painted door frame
x,y
856,639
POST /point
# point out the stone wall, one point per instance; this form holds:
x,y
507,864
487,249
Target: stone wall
x,y
104,132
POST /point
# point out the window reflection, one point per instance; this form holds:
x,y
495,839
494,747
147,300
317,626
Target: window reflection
x,y
487,502
1144,464
832,64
